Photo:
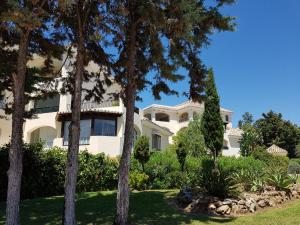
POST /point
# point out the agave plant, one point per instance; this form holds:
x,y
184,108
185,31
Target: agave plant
x,y
257,185
280,181
293,178
247,177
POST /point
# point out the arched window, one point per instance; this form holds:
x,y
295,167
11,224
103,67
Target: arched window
x,y
184,117
162,117
148,116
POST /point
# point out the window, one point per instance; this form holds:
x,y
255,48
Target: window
x,y
85,132
156,141
105,127
148,116
45,105
162,117
227,118
184,117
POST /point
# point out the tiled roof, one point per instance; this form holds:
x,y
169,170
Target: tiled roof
x,y
181,106
155,124
88,111
274,149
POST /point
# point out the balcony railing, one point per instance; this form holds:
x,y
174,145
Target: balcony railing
x,y
46,109
93,105
48,144
82,141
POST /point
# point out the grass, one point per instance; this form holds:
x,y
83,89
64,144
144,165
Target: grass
x,y
148,207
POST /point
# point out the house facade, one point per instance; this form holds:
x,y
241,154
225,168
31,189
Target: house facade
x,y
103,124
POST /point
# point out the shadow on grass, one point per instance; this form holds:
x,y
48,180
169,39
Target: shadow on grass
x,y
149,207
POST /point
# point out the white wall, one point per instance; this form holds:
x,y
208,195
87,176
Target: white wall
x,y
5,129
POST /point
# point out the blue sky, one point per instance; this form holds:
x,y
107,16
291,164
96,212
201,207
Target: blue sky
x,y
257,67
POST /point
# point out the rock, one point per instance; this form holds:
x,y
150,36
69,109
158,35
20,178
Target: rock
x,y
295,194
185,196
235,209
296,187
227,202
212,207
252,207
248,203
222,209
278,199
271,203
262,203
218,203
271,193
228,211
241,202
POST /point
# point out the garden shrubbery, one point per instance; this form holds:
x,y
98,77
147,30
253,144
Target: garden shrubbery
x,y
44,171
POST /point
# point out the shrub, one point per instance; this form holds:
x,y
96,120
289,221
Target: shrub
x,y
138,181
233,164
294,167
274,163
44,171
249,178
142,150
181,155
257,185
280,181
217,182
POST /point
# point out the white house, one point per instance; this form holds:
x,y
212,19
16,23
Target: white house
x,y
102,124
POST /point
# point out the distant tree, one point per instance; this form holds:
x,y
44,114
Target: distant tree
x,y
25,31
212,123
276,130
191,138
247,118
181,154
195,142
142,150
251,138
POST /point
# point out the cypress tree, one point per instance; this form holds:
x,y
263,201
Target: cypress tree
x,y
212,123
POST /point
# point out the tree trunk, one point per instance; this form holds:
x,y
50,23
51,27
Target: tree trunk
x,y
130,92
74,138
15,152
123,183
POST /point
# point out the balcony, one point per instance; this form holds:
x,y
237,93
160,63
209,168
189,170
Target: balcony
x,y
82,141
94,105
46,109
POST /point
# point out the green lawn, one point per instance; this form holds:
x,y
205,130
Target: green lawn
x,y
149,207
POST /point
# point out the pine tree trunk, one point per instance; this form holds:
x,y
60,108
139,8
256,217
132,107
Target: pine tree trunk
x,y
15,152
74,138
123,182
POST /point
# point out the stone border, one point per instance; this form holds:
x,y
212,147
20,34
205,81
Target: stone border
x,y
198,203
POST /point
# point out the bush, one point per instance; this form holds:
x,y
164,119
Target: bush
x,y
138,181
281,181
142,150
96,172
274,163
44,171
294,167
181,155
218,182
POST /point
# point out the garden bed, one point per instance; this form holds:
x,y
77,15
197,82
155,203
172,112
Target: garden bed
x,y
195,202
